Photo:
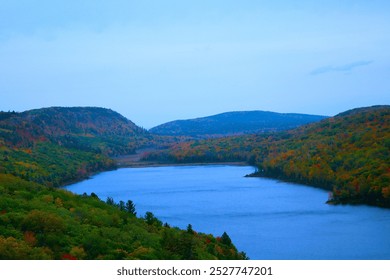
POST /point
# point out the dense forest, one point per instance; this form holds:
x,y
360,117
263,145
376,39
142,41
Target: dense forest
x,y
38,222
347,154
234,123
41,150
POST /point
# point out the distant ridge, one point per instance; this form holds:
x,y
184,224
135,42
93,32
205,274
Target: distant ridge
x,y
235,123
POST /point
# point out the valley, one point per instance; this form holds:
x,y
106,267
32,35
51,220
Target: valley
x,y
45,149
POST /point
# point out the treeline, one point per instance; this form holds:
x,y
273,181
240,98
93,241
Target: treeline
x,y
347,154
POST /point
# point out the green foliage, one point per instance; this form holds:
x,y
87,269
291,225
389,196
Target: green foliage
x,y
225,239
189,229
150,219
130,208
50,164
56,224
110,201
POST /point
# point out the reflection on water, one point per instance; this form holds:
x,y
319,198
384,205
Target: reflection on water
x,y
265,218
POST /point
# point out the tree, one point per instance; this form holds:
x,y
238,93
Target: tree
x,y
189,229
121,205
130,208
151,219
225,239
110,201
94,195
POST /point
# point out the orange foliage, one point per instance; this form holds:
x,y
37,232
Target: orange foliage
x,y
30,238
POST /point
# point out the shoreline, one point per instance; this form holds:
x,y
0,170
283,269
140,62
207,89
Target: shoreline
x,y
151,164
166,164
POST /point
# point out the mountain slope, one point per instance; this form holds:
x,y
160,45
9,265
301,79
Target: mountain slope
x,y
347,154
234,123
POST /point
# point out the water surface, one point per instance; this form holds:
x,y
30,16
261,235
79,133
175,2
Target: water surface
x,y
267,219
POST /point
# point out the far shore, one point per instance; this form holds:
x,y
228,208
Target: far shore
x,y
135,161
144,164
140,164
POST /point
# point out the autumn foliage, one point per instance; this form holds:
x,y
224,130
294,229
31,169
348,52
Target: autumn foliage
x,y
41,150
347,154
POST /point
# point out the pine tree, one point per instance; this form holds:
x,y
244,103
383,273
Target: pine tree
x,y
122,205
225,239
110,201
189,229
130,207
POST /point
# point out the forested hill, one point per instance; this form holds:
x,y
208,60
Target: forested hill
x,y
55,146
234,123
47,148
347,154
86,128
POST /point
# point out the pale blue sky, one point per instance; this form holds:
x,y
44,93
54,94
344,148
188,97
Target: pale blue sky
x,y
156,61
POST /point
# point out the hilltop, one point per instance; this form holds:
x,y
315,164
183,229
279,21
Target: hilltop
x,y
347,154
234,123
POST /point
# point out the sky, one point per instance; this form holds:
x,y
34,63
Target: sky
x,y
157,61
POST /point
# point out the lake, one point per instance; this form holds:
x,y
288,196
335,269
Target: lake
x,y
265,218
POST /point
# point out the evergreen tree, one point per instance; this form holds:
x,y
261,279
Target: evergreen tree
x,y
189,229
110,201
121,205
94,195
225,239
151,219
130,207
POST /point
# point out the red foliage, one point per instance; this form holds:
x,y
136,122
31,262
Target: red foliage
x,y
68,257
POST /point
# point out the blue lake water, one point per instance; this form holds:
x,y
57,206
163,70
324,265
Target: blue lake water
x,y
265,218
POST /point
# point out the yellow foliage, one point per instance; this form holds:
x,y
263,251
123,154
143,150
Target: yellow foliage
x,y
139,252
58,202
48,198
78,252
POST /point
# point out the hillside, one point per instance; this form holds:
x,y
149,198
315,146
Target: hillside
x,y
37,222
234,123
46,148
347,154
55,146
86,128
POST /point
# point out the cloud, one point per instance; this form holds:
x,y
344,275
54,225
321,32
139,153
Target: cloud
x,y
342,68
